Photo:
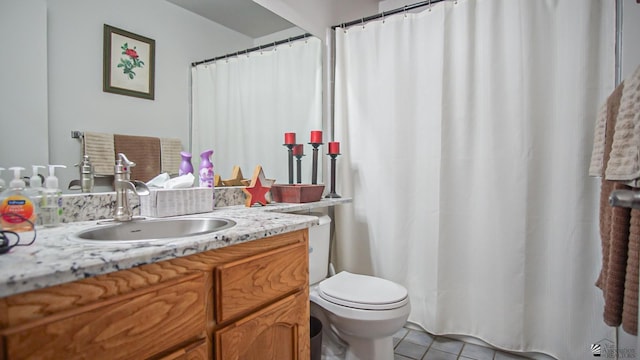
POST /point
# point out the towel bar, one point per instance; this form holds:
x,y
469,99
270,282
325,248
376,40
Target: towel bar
x,y
625,198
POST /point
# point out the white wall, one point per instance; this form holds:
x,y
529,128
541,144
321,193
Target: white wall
x,y
630,37
315,16
277,36
65,42
23,84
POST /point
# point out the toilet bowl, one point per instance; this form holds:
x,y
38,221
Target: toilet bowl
x,y
362,312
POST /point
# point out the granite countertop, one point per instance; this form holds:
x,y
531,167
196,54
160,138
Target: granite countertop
x,y
57,258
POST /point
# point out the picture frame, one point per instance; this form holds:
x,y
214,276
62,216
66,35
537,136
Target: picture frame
x,y
128,63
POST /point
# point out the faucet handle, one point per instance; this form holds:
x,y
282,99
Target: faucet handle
x,y
125,161
123,164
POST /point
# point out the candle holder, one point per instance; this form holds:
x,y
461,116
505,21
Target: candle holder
x,y
299,168
314,166
290,156
333,193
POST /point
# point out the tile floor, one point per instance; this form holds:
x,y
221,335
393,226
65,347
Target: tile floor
x,y
411,344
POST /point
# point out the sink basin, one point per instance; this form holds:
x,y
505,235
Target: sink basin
x,y
146,230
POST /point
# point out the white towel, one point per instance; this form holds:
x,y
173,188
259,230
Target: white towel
x,y
100,148
624,161
170,155
599,136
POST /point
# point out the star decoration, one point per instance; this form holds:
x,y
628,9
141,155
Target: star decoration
x,y
258,188
236,178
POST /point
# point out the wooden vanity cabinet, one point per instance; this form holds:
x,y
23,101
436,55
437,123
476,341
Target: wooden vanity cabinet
x,y
246,301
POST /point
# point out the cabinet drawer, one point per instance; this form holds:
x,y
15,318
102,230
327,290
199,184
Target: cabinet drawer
x,y
136,325
249,283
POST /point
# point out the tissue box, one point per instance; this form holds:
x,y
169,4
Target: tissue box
x,y
296,193
173,202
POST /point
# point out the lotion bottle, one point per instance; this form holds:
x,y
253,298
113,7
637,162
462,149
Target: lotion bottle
x,y
16,208
51,205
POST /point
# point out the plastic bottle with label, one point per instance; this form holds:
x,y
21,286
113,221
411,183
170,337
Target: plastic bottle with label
x,y
17,211
51,204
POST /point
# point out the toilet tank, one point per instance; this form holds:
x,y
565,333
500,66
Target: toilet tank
x,y
319,241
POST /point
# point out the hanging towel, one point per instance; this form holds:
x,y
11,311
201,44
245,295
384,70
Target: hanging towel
x,y
624,161
99,147
614,232
596,168
170,155
142,150
630,303
603,134
619,229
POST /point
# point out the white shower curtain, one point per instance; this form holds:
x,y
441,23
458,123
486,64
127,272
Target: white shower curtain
x,y
242,106
467,133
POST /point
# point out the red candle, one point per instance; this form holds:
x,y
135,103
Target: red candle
x,y
298,150
334,147
316,137
290,138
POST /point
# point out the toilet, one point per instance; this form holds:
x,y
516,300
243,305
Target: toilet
x,y
359,313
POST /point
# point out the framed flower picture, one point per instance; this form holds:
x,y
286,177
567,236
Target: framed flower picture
x,y
129,63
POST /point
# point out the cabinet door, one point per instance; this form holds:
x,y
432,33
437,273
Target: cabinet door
x,y
255,281
277,332
134,326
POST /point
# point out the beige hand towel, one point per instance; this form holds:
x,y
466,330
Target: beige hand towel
x,y
596,168
99,147
170,155
624,161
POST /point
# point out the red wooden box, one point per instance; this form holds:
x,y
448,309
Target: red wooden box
x,y
296,193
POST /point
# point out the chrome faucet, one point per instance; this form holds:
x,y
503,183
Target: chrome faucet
x,y
123,183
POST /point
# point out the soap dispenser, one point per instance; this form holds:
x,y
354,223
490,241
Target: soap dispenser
x,y
206,169
86,174
17,212
51,205
35,189
35,181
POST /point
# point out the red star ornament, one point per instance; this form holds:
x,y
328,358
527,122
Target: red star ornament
x,y
258,188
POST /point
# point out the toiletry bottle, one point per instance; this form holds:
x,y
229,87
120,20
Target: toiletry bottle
x,y
86,174
34,191
15,206
185,164
51,205
2,183
206,169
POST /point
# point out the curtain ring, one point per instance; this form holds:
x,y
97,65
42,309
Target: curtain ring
x,y
429,5
344,27
405,11
383,17
362,22
275,46
289,42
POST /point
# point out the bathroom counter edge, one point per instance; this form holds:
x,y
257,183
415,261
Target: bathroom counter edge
x,y
56,258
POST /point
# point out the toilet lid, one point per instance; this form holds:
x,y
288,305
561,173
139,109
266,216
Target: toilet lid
x,y
362,292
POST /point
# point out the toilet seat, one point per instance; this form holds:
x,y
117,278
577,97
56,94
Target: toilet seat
x,y
362,292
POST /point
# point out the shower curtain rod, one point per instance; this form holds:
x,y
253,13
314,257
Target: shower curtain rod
x,y
257,48
386,13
